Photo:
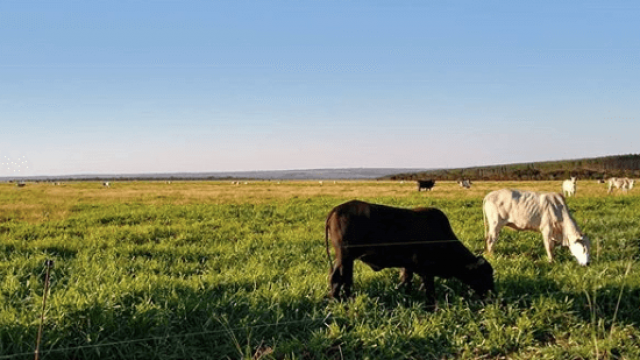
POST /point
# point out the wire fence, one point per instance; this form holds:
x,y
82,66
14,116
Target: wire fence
x,y
321,321
165,337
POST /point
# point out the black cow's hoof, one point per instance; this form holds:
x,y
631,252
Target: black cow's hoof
x,y
431,308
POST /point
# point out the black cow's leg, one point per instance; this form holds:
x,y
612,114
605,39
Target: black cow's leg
x,y
347,276
430,291
341,278
406,277
336,280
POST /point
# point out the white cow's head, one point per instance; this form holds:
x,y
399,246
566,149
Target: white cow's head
x,y
631,184
580,249
573,179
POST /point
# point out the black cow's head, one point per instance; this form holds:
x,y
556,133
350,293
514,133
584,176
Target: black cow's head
x,y
479,276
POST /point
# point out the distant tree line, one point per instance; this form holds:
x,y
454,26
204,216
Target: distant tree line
x,y
593,168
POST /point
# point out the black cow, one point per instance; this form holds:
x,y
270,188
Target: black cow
x,y
426,184
418,240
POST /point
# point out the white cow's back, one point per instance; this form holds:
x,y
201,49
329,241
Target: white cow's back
x,y
519,209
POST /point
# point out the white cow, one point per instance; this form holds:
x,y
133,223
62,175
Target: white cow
x,y
544,212
106,184
569,187
620,183
465,183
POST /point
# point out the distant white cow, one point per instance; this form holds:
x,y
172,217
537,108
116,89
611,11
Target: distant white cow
x,y
620,183
569,187
544,212
106,184
465,183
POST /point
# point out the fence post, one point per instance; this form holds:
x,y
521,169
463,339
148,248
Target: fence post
x,y
49,265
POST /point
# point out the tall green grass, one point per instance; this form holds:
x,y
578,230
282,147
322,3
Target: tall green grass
x,y
138,276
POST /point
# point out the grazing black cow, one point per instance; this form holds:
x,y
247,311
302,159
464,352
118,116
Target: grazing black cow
x,y
426,184
418,240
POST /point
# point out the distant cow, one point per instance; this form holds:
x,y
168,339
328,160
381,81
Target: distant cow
x,y
420,241
20,184
106,184
620,183
569,187
544,212
465,183
426,184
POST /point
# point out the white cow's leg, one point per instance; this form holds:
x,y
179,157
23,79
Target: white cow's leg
x,y
492,235
547,237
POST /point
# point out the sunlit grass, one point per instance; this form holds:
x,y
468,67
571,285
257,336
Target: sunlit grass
x,y
216,270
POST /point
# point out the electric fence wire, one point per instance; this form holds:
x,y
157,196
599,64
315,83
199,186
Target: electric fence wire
x,y
165,337
324,319
208,332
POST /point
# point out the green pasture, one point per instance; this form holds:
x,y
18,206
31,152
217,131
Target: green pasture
x,y
214,270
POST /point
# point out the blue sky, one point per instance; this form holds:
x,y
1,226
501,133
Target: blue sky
x,y
173,86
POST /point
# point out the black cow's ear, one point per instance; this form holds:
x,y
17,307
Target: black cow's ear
x,y
479,262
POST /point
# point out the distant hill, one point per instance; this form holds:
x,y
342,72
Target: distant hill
x,y
590,168
311,174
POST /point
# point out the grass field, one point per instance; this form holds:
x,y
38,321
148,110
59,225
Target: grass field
x,y
148,270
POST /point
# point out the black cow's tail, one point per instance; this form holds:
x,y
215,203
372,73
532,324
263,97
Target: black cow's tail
x,y
326,240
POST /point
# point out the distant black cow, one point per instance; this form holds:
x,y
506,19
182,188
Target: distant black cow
x,y
426,184
420,241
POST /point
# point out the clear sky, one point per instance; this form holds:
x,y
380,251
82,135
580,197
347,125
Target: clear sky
x,y
189,86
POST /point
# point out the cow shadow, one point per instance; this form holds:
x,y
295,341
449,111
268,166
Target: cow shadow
x,y
386,290
230,319
226,320
614,304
